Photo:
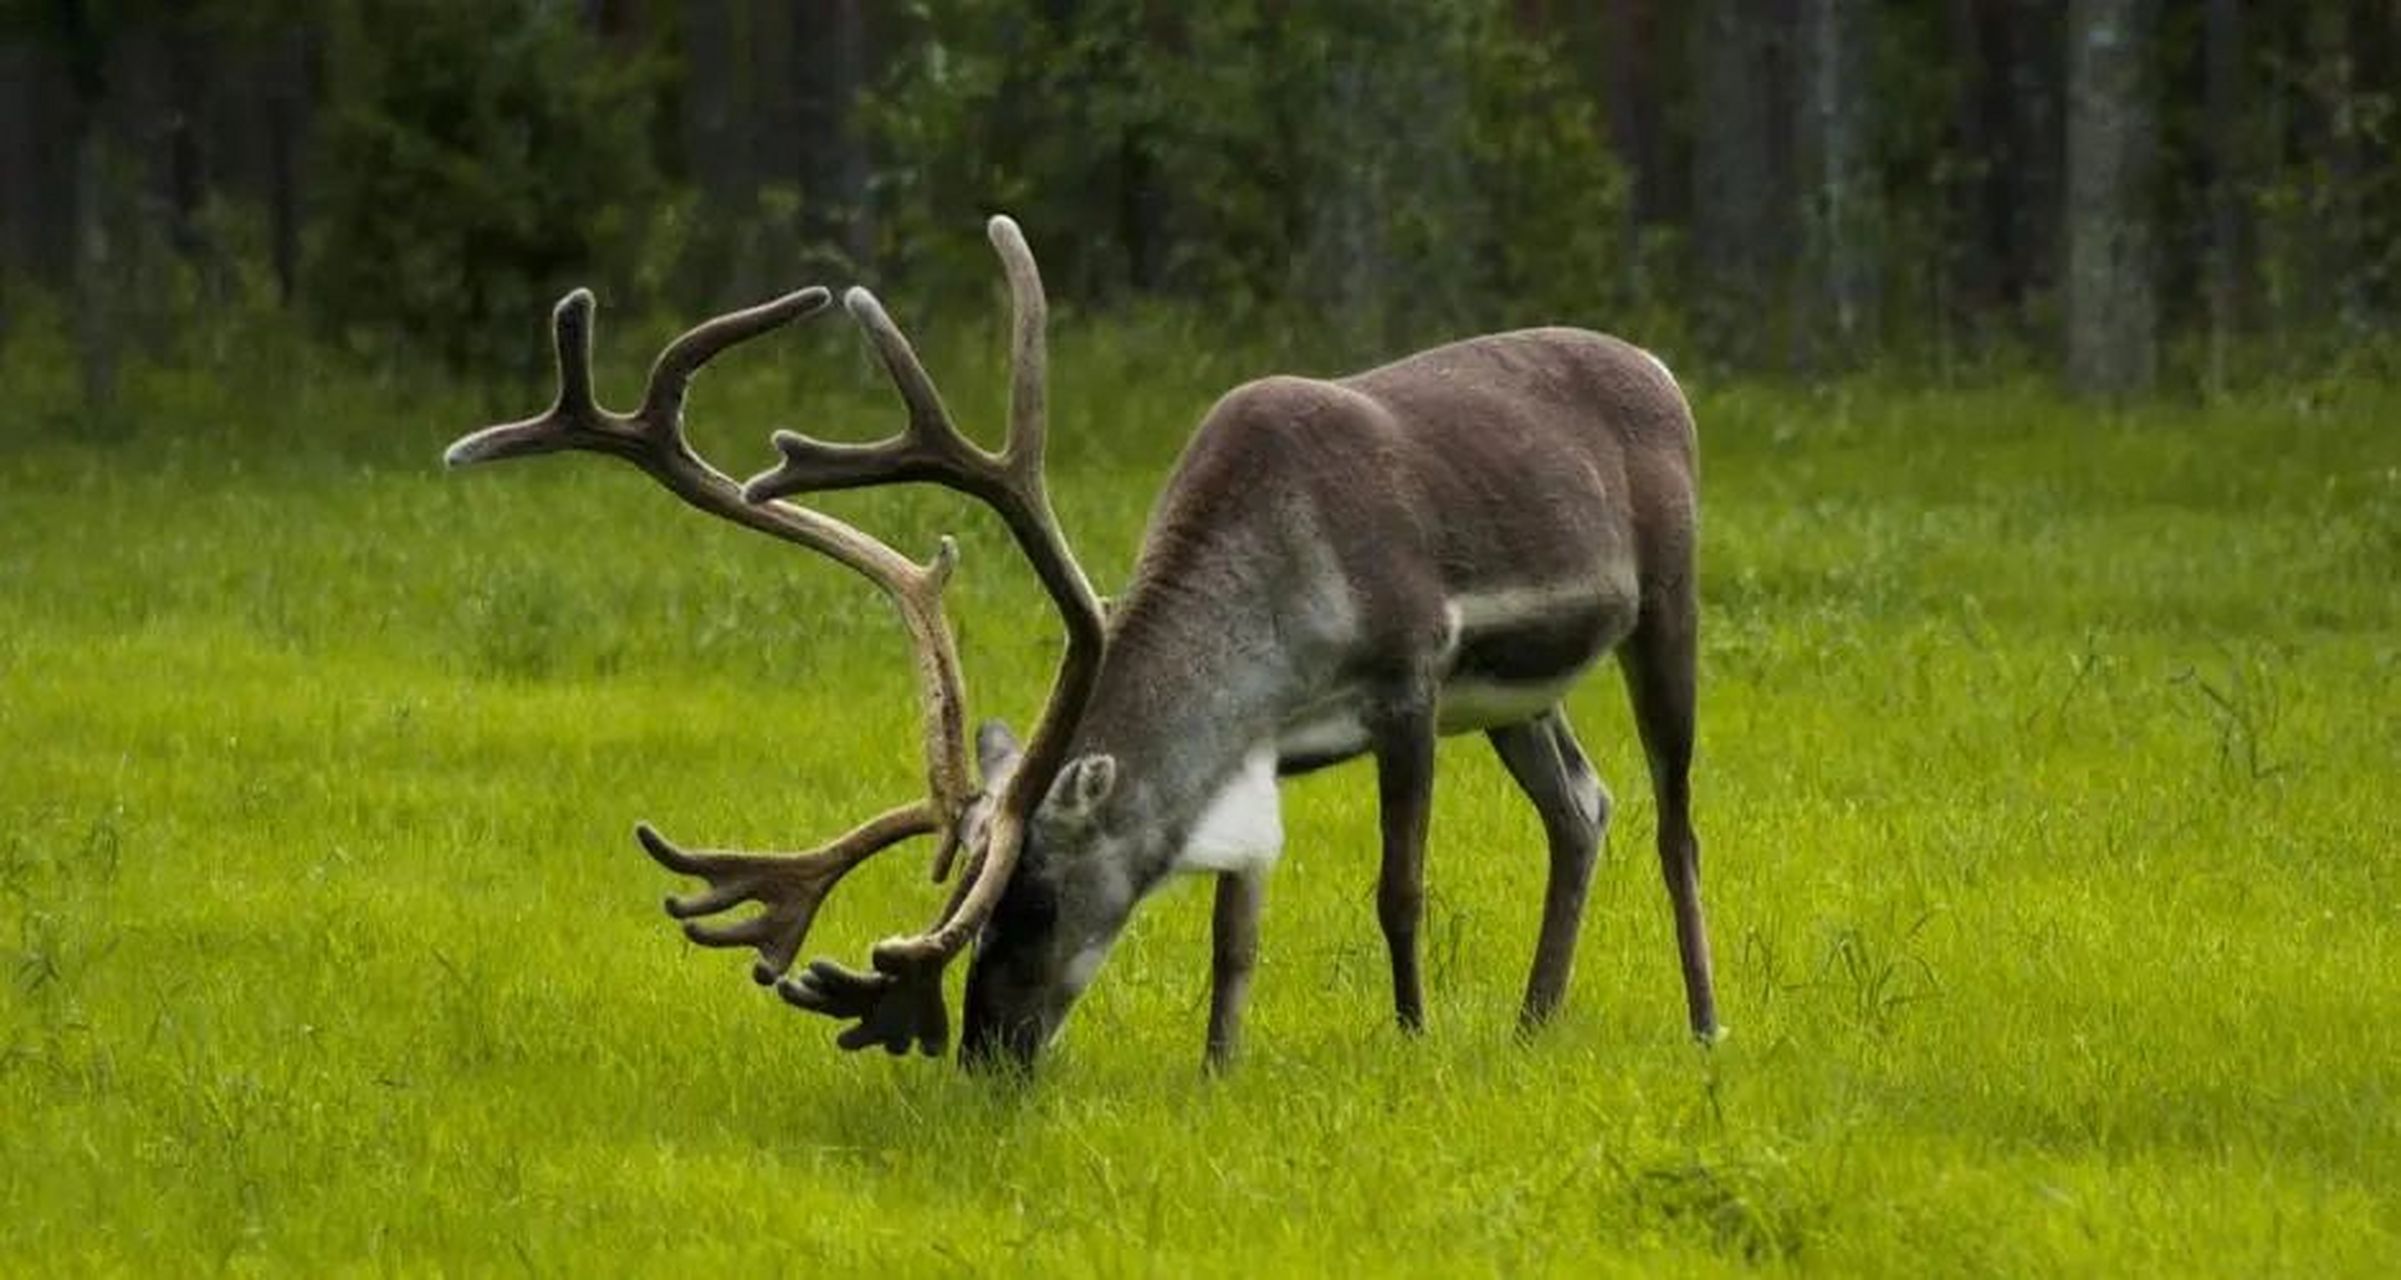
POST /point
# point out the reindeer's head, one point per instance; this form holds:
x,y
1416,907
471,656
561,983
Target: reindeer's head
x,y
1054,924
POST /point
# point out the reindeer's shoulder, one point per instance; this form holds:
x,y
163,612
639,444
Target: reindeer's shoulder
x,y
1275,417
1283,400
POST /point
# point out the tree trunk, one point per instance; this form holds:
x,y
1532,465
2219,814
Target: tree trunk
x,y
2376,40
830,65
2112,318
1630,43
36,104
91,291
2227,134
855,53
1975,215
1392,206
1837,202
2008,185
2339,221
1345,248
1734,217
184,175
289,102
715,145
1142,184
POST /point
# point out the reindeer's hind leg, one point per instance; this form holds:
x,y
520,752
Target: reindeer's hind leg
x,y
1542,755
1661,677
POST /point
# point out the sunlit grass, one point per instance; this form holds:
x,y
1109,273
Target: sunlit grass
x,y
2049,806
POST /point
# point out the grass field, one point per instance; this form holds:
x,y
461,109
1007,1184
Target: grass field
x,y
2049,779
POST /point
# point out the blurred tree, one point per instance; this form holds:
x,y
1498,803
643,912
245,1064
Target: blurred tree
x,y
2112,329
1633,49
1772,182
716,142
477,163
81,33
1738,238
1394,170
2004,161
2229,173
2337,143
290,109
833,62
1838,198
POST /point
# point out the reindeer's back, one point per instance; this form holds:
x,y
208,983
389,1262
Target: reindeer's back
x,y
1540,455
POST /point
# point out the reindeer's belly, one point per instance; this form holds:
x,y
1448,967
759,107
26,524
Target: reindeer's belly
x,y
1511,655
1515,653
1470,706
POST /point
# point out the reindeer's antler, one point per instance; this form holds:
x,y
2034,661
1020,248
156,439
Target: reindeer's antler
x,y
652,438
901,1000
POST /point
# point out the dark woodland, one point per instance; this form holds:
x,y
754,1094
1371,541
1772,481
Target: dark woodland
x,y
2128,195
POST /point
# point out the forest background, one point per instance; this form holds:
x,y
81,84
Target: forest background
x,y
2129,193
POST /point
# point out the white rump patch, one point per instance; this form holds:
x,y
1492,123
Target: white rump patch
x,y
1244,826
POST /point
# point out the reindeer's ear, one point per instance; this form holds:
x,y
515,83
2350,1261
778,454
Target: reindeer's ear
x,y
996,753
1082,786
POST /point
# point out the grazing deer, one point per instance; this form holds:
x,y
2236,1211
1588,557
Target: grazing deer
x,y
1336,569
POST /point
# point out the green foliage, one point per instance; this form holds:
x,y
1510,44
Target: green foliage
x,y
479,161
1398,170
1354,177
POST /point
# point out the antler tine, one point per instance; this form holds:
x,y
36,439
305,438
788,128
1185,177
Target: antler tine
x,y
571,334
930,426
651,438
1029,439
671,374
791,887
1029,350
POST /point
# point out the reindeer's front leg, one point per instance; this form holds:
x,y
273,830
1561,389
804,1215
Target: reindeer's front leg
x,y
1234,953
1405,790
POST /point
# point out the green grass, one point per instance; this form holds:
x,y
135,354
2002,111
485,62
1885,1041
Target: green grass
x,y
2048,783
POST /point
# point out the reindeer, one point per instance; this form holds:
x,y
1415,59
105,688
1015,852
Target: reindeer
x,y
1336,569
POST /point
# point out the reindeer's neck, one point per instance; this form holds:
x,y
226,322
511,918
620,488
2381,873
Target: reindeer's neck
x,y
1192,687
